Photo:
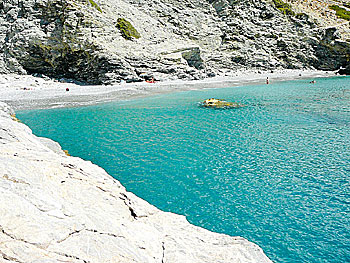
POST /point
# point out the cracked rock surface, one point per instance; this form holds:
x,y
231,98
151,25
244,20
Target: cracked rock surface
x,y
183,39
58,208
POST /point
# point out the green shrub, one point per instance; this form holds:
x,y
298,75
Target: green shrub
x,y
126,29
284,7
95,5
341,12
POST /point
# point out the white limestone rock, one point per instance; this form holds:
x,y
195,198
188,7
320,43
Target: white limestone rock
x,y
57,208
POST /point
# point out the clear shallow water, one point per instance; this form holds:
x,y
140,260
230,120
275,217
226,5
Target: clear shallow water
x,y
276,172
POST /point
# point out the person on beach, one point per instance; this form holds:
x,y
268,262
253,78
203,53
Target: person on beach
x,y
267,80
151,81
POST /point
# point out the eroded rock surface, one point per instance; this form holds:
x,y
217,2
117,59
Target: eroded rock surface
x,y
56,208
185,39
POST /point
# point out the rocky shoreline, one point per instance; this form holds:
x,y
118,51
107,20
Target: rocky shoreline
x,y
58,208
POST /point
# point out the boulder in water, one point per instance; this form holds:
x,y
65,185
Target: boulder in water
x,y
216,103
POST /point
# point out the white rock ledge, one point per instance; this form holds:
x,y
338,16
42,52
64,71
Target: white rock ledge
x,y
55,208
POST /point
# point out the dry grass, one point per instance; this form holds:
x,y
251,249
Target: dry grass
x,y
13,116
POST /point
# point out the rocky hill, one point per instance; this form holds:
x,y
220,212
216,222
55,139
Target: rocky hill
x,y
58,208
106,41
324,16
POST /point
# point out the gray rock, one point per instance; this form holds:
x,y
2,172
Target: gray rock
x,y
5,110
193,58
52,145
78,40
344,71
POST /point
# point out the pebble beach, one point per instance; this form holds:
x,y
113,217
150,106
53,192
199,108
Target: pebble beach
x,y
29,92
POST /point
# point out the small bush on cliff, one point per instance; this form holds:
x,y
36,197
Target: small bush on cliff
x,y
284,7
341,12
126,29
95,5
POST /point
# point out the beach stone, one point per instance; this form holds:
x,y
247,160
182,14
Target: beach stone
x,y
58,208
344,71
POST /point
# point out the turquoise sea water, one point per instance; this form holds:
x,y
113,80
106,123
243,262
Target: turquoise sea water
x,y
276,172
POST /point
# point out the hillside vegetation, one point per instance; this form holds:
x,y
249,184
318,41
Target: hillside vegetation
x,y
107,41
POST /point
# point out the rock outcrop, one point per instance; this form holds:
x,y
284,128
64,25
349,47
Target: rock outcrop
x,y
324,16
344,71
106,41
57,208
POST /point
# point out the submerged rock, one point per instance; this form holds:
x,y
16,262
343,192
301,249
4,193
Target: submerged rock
x,y
220,104
57,208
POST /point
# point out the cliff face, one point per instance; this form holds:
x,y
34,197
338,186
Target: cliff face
x,y
322,13
105,41
56,208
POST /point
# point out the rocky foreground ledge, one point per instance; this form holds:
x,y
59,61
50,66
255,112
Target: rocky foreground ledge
x,y
57,208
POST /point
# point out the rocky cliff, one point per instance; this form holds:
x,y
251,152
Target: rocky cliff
x,y
57,208
324,15
106,41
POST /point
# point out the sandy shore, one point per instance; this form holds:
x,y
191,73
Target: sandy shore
x,y
28,92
